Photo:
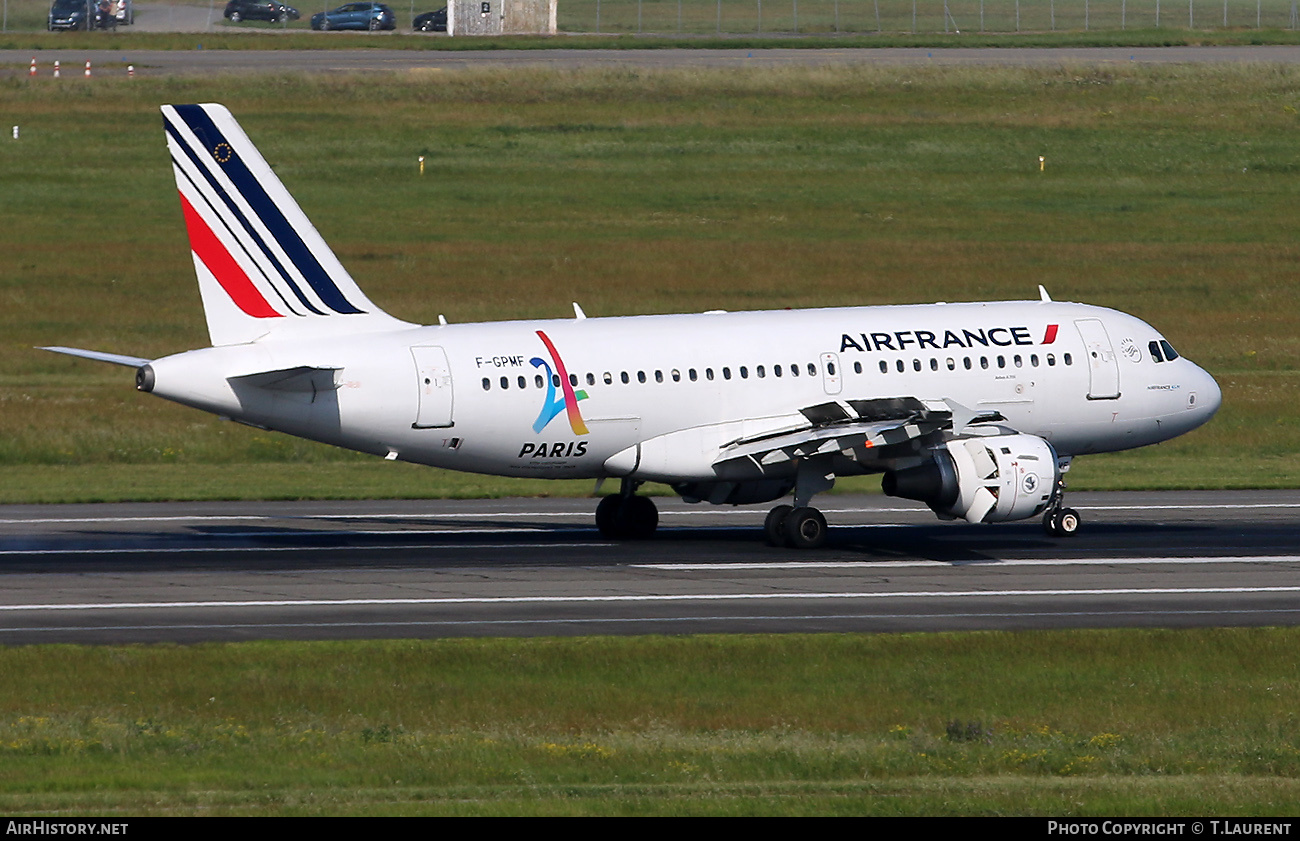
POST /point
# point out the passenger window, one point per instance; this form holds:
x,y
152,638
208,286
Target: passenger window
x,y
760,372
659,376
830,369
1020,363
1051,360
487,384
708,374
540,382
1067,359
884,367
523,383
555,380
726,373
952,364
591,378
624,378
1033,359
573,379
692,375
1002,361
640,376
916,364
984,362
608,378
794,370
966,362
505,382
776,371
900,366
744,372
857,367
934,364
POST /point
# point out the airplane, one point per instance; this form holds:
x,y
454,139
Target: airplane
x,y
975,409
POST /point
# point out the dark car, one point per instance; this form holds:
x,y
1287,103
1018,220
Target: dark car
x,y
370,16
73,14
237,10
431,21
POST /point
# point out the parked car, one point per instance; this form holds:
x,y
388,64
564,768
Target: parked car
x,y
237,10
370,16
431,21
74,14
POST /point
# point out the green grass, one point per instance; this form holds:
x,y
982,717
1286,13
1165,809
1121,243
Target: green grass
x,y
1053,723
739,24
1168,192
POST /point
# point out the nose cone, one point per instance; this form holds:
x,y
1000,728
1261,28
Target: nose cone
x,y
1206,397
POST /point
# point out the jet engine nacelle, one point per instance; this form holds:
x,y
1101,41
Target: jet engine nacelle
x,y
982,479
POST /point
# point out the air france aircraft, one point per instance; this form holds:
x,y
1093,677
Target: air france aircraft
x,y
975,409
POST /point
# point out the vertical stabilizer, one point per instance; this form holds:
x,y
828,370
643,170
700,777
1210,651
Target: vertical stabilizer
x,y
263,269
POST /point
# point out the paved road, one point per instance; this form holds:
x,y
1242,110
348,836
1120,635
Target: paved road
x,y
204,62
318,570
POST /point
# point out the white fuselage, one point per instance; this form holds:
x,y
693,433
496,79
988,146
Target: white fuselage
x,y
489,397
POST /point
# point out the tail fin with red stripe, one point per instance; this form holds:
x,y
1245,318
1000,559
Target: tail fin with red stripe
x,y
263,269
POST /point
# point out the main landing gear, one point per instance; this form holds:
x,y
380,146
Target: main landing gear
x,y
626,516
800,526
1059,521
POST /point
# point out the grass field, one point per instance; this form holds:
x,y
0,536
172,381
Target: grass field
x,y
1056,724
808,16
1168,192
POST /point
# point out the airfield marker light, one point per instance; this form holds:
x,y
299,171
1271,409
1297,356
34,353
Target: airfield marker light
x,y
56,69
88,70
422,164
1042,163
32,71
15,132
130,71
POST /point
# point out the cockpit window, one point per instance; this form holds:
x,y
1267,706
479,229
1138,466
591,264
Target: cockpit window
x,y
1170,353
1154,347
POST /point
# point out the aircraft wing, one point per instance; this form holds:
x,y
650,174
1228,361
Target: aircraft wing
x,y
864,430
100,356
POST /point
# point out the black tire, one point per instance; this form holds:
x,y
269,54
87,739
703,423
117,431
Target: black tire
x,y
637,518
774,525
805,528
1067,522
607,516
374,25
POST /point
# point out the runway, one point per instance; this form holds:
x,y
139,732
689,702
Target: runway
x,y
526,567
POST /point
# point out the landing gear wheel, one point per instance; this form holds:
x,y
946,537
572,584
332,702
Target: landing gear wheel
x,y
607,516
637,518
805,528
774,525
1061,522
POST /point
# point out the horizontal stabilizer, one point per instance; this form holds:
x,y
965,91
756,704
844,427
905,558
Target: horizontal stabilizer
x,y
100,356
303,378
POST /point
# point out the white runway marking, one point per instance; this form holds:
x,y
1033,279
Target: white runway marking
x,y
1025,562
702,597
505,515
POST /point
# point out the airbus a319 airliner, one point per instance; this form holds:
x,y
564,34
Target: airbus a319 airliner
x,y
975,409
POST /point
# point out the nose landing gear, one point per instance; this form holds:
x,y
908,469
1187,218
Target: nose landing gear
x,y
1057,520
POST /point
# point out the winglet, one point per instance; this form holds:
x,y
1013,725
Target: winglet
x,y
1042,294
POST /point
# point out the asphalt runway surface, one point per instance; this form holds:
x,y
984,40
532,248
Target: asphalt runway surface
x,y
207,62
528,567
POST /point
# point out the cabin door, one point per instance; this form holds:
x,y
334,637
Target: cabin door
x,y
435,402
